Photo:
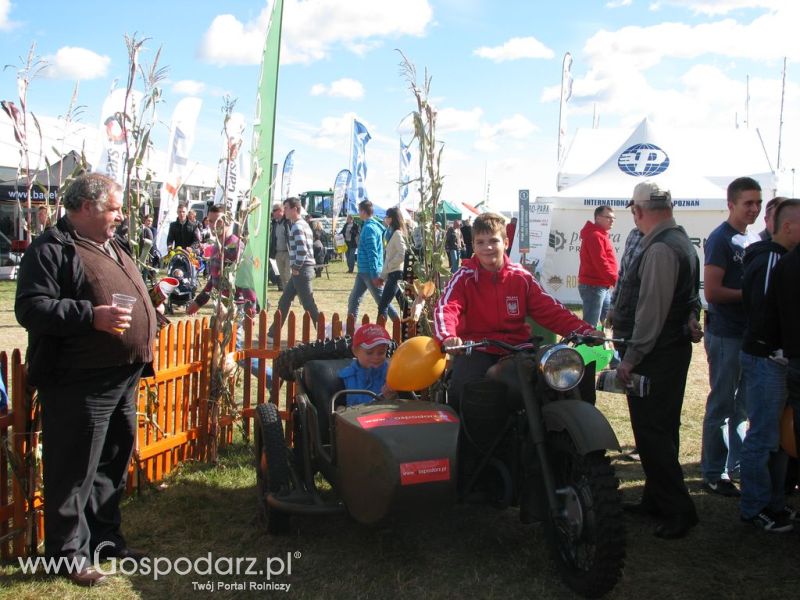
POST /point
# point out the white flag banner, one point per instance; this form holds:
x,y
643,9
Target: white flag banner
x,y
181,139
111,160
229,177
566,94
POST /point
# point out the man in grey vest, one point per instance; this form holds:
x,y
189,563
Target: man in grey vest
x,y
656,311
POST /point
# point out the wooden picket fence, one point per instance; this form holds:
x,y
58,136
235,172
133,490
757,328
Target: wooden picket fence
x,y
174,419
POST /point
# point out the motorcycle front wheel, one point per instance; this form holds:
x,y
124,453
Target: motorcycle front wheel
x,y
588,536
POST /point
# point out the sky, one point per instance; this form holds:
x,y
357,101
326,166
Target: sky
x,y
495,68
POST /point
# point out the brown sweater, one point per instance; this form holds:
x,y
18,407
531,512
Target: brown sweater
x,y
105,276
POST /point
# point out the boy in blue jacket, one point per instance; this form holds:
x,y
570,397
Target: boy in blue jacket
x,y
368,369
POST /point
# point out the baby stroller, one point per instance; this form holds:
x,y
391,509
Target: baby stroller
x,y
182,265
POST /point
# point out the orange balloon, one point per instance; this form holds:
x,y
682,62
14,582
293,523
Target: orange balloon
x,y
788,442
416,364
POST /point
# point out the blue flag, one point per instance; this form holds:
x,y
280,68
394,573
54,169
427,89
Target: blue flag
x,y
286,176
405,170
358,191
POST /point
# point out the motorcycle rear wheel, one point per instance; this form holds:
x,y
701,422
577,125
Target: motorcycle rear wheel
x,y
588,540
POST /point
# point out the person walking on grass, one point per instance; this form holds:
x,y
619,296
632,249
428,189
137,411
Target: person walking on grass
x,y
301,259
370,262
597,274
393,261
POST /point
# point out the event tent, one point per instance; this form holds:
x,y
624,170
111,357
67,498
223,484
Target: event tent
x,y
445,211
645,155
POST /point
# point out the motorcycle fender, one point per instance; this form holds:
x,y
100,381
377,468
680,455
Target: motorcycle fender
x,y
585,424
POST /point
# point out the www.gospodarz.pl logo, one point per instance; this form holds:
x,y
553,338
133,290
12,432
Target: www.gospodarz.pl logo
x,y
263,569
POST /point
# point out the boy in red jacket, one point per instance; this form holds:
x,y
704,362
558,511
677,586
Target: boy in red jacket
x,y
489,297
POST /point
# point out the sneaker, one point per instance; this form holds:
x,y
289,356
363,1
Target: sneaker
x,y
790,513
771,522
722,487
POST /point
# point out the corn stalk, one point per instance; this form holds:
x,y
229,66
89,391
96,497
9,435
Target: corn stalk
x,y
431,266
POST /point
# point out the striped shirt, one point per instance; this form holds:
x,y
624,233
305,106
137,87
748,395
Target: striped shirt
x,y
301,245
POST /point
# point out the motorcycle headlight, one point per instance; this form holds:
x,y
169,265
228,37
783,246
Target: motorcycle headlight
x,y
561,367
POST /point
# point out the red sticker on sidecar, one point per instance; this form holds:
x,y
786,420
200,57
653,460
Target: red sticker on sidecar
x,y
416,417
425,471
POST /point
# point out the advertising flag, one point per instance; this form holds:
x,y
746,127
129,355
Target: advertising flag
x,y
113,128
566,94
358,190
286,175
405,170
339,191
252,272
230,174
181,139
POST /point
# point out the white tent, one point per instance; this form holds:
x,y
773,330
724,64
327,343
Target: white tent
x,y
700,203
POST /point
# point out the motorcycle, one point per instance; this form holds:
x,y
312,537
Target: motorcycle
x,y
522,437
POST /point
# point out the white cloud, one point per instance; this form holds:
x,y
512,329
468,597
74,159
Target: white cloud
x,y
618,3
312,29
515,127
721,7
5,21
71,62
188,87
341,88
453,119
514,49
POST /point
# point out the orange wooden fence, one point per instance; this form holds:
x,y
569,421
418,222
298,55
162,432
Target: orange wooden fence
x,y
174,420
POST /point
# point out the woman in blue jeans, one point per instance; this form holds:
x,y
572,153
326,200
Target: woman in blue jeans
x,y
394,256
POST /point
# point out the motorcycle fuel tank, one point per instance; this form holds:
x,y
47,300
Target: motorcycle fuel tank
x,y
396,456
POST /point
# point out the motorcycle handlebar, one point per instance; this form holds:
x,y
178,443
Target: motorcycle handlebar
x,y
573,338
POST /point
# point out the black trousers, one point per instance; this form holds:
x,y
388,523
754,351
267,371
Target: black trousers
x,y
88,428
468,368
656,421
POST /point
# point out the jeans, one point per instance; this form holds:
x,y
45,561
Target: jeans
x,y
363,283
350,255
391,290
724,421
454,256
596,300
763,467
299,285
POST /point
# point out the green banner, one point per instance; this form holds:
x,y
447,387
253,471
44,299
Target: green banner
x,y
255,264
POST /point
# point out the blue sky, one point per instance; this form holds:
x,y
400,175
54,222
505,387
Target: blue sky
x,y
496,68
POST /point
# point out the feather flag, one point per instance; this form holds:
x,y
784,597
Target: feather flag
x,y
358,190
181,139
339,191
113,127
405,170
230,185
252,272
566,94
286,175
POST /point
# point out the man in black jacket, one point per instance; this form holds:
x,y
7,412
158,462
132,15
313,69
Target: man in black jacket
x,y
764,372
85,356
182,232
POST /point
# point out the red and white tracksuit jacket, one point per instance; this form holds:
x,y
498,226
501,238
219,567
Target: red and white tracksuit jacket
x,y
478,304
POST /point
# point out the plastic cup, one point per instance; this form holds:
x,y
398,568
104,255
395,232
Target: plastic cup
x,y
122,301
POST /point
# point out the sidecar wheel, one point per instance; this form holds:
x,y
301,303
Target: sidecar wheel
x,y
588,541
272,465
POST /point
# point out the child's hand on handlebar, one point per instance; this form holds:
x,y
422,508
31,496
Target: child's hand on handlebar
x,y
594,338
453,341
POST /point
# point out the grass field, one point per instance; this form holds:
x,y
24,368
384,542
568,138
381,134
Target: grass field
x,y
469,552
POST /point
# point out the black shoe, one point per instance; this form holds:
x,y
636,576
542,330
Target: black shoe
x,y
771,521
121,553
676,526
87,577
722,487
640,509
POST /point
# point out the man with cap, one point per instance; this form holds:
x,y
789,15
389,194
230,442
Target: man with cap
x,y
656,299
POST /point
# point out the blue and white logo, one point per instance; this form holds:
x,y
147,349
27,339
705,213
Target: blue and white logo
x,y
643,160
